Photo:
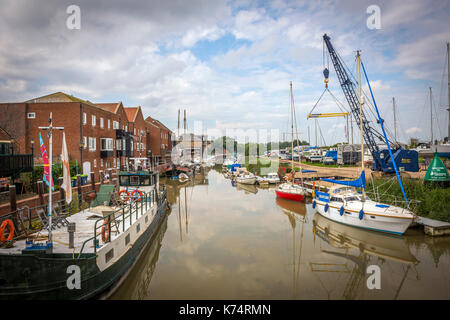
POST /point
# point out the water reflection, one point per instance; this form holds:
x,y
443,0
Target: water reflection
x,y
137,284
225,242
372,249
247,188
295,211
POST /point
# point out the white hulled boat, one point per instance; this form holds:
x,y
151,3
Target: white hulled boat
x,y
347,205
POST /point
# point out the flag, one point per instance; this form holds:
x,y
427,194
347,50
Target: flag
x,y
46,177
66,185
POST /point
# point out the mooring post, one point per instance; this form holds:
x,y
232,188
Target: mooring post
x,y
62,195
80,193
40,190
71,230
12,198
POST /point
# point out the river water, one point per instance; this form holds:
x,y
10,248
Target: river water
x,y
222,241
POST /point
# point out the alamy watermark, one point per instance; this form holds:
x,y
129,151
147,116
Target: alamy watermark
x,y
73,21
74,280
374,280
373,22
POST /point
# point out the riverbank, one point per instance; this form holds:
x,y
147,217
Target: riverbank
x,y
434,200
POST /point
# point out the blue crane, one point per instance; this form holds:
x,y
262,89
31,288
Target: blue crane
x,y
406,160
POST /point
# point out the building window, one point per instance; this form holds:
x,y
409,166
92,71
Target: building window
x,y
106,144
109,124
92,144
93,121
31,115
101,123
114,162
115,125
101,162
119,144
84,118
84,142
95,163
142,132
134,131
126,128
131,145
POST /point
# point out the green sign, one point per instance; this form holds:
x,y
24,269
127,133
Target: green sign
x,y
437,171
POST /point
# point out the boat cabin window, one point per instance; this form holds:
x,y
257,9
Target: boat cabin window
x,y
136,180
352,199
336,199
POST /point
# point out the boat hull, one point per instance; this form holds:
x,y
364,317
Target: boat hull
x,y
387,224
289,196
44,276
246,180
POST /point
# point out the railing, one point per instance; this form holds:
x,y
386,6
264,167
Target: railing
x,y
10,164
27,219
131,211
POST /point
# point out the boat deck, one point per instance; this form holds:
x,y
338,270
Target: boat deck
x,y
84,229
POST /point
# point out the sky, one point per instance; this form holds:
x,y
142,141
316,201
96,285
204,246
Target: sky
x,y
229,63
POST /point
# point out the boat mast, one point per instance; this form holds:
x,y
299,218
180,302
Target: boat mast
x,y
395,120
448,84
358,59
292,137
431,118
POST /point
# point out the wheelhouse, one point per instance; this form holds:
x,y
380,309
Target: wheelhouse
x,y
137,179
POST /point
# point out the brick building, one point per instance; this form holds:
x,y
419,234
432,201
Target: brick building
x,y
160,142
98,135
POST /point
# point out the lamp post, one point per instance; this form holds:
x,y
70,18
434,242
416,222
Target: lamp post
x,y
32,165
81,155
13,162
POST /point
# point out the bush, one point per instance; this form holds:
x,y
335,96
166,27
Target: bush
x,y
434,200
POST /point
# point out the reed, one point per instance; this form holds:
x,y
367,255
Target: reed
x,y
434,200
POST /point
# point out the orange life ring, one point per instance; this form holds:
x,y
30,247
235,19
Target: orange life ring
x,y
10,224
105,230
140,193
126,192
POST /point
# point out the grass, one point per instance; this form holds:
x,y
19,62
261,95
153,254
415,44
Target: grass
x,y
434,200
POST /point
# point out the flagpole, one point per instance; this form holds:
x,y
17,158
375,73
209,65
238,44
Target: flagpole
x,y
50,192
50,178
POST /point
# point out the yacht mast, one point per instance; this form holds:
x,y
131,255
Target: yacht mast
x,y
292,138
448,83
358,59
431,118
395,120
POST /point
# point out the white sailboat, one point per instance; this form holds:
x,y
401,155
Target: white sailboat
x,y
289,190
346,205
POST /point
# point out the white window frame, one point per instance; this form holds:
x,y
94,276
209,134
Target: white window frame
x,y
95,163
116,124
84,118
92,144
85,145
109,124
93,120
31,115
109,144
101,163
101,122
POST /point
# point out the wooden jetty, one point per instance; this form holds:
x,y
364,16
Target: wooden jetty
x,y
433,227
